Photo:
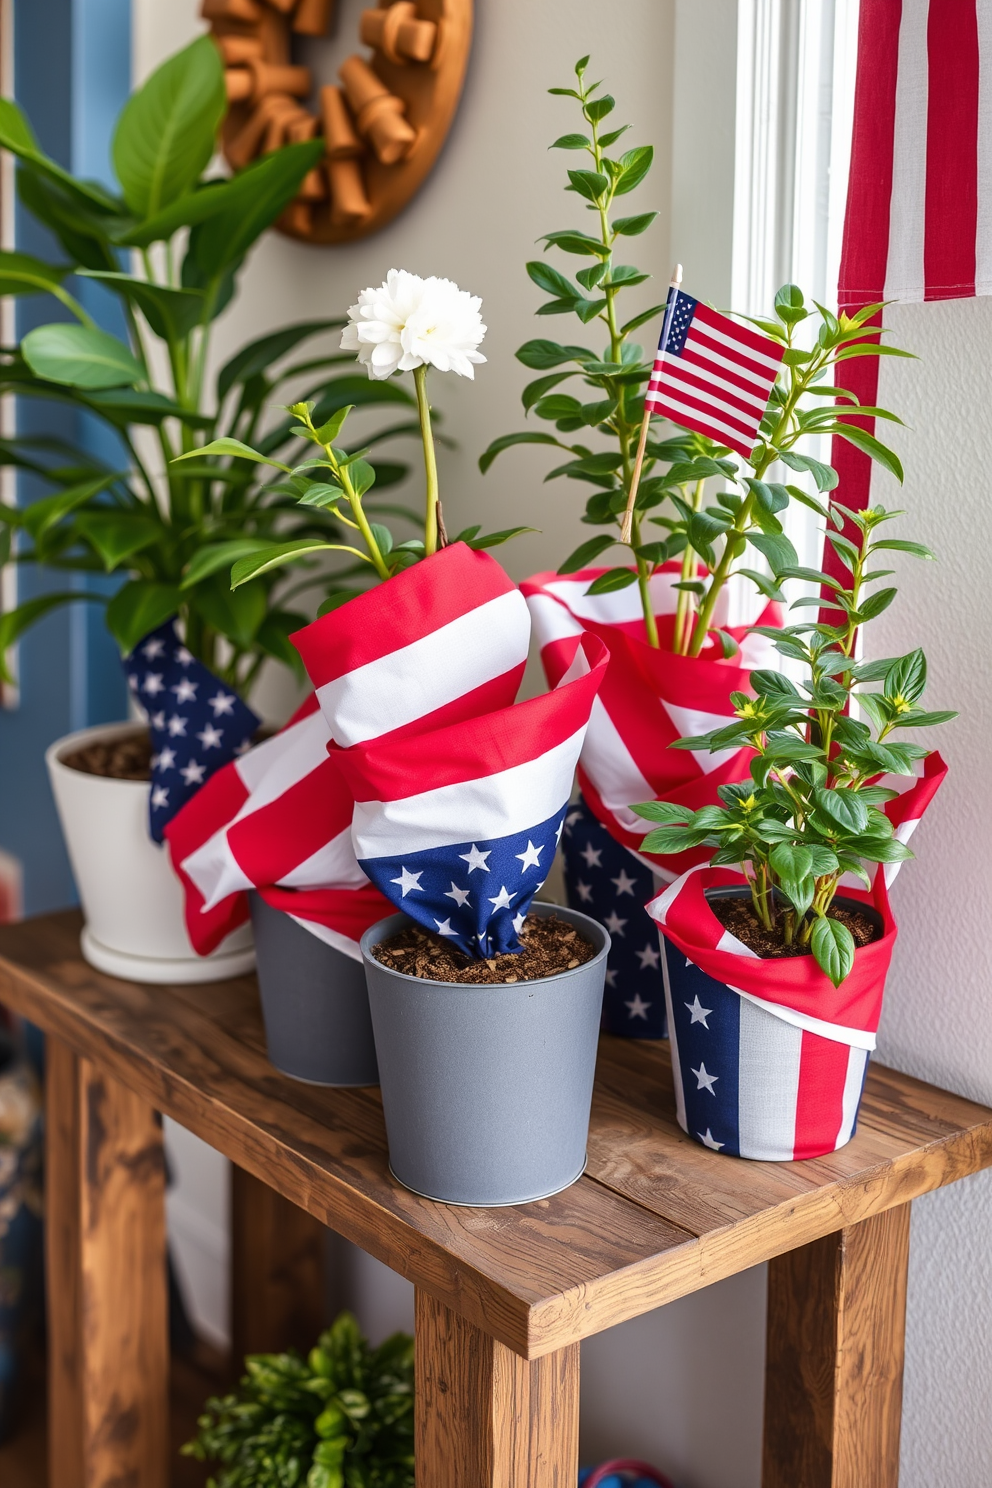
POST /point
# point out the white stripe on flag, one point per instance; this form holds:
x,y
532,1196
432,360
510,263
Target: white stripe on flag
x,y
620,607
768,1085
612,768
288,758
690,721
663,402
838,1033
983,240
414,680
671,380
215,870
856,1062
552,622
498,805
332,866
904,278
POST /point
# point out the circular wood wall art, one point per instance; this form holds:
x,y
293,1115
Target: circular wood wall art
x,y
384,122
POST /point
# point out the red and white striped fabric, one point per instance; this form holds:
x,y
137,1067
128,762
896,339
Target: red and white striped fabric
x,y
648,699
445,640
918,224
769,1057
712,374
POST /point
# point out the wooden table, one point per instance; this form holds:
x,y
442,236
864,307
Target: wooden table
x,y
503,1296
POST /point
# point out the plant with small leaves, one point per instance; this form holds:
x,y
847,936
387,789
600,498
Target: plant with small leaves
x,y
171,530
341,1418
812,809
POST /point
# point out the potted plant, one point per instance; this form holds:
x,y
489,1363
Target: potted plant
x,y
169,531
278,822
776,953
695,526
343,1415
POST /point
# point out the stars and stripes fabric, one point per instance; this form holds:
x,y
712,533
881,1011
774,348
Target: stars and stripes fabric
x,y
443,640
769,1058
918,222
196,723
609,882
712,374
650,697
458,824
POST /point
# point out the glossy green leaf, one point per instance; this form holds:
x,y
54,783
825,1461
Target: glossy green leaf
x,y
272,182
17,136
166,132
277,555
833,948
613,579
138,607
214,557
171,313
236,613
118,535
80,356
21,274
634,167
234,447
506,441
631,226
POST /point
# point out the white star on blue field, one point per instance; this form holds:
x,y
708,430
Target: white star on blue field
x,y
475,893
196,723
606,881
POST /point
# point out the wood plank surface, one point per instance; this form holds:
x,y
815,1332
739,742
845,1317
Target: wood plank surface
x,y
836,1335
108,1328
656,1217
277,1272
487,1418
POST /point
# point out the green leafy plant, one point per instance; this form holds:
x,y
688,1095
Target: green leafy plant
x,y
341,1418
812,808
712,535
173,529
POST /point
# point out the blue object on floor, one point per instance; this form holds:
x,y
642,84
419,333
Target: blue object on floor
x,y
20,1211
604,879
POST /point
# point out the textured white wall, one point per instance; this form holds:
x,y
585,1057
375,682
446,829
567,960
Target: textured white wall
x,y
937,1021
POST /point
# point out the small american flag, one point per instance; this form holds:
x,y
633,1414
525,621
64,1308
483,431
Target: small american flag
x,y
711,374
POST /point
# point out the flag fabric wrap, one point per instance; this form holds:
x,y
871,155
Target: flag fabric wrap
x,y
197,725
279,819
768,1057
609,882
649,698
458,825
276,820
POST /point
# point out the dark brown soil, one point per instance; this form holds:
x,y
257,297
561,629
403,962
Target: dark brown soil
x,y
737,916
550,945
126,758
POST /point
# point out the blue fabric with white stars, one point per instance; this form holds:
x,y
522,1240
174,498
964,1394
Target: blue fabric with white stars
x,y
476,894
604,880
197,724
685,309
707,1017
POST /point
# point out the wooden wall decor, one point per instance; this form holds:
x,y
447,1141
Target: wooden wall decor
x,y
384,121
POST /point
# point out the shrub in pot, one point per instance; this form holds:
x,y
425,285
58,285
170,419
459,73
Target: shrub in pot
x,y
342,1416
170,532
693,524
777,952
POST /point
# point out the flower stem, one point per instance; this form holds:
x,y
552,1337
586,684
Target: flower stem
x,y
430,461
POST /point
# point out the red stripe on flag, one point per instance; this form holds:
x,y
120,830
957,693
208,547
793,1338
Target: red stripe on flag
x,y
271,842
820,1097
702,403
348,911
707,349
682,370
659,403
952,150
865,248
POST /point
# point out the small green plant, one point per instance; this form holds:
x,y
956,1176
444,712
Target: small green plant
x,y
680,471
170,247
341,1418
812,808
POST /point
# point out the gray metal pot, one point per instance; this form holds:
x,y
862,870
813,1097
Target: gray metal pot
x,y
487,1089
314,1002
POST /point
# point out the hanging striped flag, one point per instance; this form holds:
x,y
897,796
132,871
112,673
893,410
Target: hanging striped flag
x,y
443,641
459,825
918,224
711,374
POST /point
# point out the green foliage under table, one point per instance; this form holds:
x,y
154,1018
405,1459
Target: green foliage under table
x,y
341,1418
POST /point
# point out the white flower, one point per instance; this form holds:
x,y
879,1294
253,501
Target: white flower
x,y
409,321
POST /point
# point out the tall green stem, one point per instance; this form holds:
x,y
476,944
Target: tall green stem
x,y
430,461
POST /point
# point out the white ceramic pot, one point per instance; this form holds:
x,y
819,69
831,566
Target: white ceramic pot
x,y
131,898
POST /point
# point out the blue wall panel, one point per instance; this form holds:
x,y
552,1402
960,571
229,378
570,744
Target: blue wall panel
x,y
72,74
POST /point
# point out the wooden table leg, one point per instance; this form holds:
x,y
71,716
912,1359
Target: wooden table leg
x,y
487,1418
833,1380
106,1277
277,1271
